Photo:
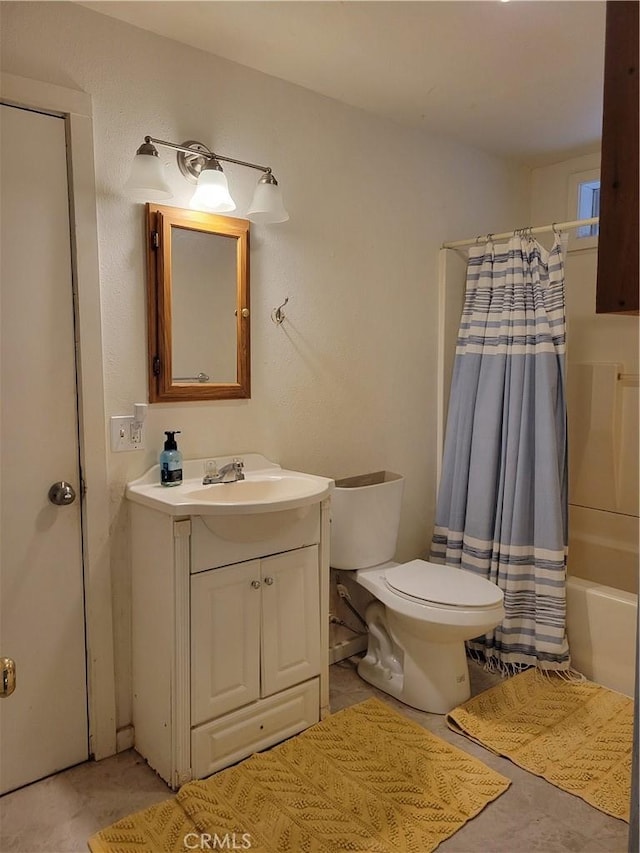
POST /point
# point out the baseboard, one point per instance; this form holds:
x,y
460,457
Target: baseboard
x,y
124,738
346,648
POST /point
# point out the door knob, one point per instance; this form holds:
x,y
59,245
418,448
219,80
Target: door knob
x,y
62,493
268,581
7,676
255,584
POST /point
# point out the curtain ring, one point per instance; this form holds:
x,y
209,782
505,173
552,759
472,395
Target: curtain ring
x,y
555,229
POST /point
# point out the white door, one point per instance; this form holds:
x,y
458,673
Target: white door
x,y
43,722
290,619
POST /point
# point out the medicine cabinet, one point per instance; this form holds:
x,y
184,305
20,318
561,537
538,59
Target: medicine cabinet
x,y
198,305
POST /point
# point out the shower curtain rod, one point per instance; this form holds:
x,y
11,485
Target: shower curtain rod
x,y
539,229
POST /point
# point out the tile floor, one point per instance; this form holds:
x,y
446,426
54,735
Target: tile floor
x,y
58,814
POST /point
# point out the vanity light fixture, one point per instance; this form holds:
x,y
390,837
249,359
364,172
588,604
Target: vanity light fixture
x,y
200,166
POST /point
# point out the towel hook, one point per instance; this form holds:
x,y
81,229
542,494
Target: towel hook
x,y
278,315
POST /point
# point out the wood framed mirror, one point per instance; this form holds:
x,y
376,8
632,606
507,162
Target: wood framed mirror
x,y
198,305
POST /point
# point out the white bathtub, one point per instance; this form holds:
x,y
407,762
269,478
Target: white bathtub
x,y
601,624
602,600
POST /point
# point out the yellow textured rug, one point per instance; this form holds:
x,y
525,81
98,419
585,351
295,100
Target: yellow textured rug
x,y
365,780
575,734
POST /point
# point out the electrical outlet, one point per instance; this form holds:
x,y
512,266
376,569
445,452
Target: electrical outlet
x,y
126,434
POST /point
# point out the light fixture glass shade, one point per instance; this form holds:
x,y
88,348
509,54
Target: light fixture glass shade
x,y
146,181
266,205
212,192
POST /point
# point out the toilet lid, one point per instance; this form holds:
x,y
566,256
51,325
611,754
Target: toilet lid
x,y
443,585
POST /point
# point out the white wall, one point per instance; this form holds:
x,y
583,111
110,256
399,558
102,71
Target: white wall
x,y
348,383
603,411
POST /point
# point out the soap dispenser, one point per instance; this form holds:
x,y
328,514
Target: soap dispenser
x,y
171,461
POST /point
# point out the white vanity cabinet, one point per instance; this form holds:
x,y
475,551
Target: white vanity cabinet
x,y
229,634
255,632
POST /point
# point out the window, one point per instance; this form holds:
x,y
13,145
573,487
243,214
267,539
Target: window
x,y
584,203
588,206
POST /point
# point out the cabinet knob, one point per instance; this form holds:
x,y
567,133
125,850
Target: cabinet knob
x,y
255,584
268,581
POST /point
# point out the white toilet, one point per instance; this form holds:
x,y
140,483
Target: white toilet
x,y
423,613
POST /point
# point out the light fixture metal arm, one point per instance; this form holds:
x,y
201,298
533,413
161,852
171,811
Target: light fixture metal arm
x,y
208,155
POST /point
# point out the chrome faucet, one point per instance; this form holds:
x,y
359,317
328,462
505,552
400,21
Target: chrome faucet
x,y
213,475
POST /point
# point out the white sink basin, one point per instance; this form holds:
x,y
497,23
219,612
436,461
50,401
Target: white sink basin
x,y
266,488
257,489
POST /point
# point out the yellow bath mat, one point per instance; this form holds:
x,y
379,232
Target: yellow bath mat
x,y
575,734
365,780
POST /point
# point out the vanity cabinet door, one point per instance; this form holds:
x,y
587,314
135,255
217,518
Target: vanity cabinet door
x,y
290,619
225,640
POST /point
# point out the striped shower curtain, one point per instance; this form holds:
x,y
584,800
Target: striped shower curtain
x,y
502,504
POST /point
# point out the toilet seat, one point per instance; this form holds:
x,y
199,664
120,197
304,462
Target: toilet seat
x,y
443,586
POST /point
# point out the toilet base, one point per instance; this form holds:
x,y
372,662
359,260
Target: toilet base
x,y
436,692
380,676
426,675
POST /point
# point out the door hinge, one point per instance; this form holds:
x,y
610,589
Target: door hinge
x,y
155,240
156,365
83,483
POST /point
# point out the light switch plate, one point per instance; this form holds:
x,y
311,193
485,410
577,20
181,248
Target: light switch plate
x,y
126,434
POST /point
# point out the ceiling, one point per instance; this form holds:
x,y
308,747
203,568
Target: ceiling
x,y
521,79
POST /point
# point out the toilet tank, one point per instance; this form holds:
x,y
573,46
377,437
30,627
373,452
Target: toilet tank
x,y
365,517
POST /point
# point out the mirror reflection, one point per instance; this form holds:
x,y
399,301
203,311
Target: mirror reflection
x,y
203,277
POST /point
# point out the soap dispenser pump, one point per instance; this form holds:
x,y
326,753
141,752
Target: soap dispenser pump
x,y
171,461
